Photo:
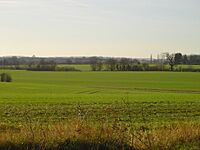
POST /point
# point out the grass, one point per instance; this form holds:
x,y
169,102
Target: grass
x,y
80,135
162,107
82,67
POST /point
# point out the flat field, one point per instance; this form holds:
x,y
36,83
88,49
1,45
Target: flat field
x,y
157,99
56,95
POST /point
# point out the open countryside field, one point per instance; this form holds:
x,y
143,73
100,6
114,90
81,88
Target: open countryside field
x,y
140,101
82,67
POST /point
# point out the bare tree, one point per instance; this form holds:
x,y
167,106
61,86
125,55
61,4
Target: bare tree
x,y
111,64
96,64
99,65
171,60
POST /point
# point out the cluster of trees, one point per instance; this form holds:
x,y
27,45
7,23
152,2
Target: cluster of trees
x,y
42,66
124,64
96,64
178,58
113,64
49,66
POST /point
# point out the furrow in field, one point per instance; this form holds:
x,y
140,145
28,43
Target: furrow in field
x,y
152,90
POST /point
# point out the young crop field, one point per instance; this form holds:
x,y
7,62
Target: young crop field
x,y
148,102
82,67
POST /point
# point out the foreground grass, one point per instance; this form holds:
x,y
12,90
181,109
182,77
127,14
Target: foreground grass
x,y
77,134
109,126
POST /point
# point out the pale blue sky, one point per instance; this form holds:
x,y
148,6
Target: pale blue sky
x,y
134,28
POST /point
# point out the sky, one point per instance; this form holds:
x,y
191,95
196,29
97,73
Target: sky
x,y
130,28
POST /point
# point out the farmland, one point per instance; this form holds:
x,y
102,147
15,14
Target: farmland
x,y
153,99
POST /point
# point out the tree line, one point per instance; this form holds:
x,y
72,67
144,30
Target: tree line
x,y
102,63
126,64
42,65
14,60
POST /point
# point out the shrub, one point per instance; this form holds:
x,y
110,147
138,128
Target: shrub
x,y
46,67
5,77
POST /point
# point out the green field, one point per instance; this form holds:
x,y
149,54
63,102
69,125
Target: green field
x,y
137,98
82,67
95,91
